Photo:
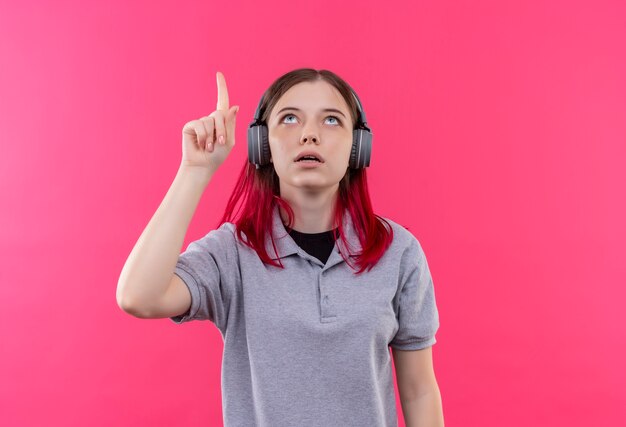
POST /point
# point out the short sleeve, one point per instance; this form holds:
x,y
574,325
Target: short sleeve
x,y
210,269
417,313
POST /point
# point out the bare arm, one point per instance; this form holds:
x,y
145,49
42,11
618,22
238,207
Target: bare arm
x,y
147,273
147,286
417,385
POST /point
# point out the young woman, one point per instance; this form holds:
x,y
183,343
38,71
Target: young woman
x,y
308,287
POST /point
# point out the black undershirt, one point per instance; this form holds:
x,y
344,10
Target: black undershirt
x,y
320,245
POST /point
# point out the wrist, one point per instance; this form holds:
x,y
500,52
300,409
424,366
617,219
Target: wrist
x,y
198,173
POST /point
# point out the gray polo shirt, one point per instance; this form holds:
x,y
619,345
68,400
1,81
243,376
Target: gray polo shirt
x,y
308,345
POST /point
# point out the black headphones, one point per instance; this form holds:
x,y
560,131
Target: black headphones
x,y
259,147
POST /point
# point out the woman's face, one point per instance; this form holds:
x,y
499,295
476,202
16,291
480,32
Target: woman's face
x,y
310,116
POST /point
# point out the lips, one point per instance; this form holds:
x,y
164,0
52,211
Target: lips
x,y
309,154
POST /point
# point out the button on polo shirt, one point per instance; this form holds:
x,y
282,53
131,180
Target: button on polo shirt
x,y
308,345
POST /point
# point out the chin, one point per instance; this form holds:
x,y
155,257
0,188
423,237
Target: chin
x,y
310,184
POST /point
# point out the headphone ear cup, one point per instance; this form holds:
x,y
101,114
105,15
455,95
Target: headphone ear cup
x,y
361,152
265,146
258,145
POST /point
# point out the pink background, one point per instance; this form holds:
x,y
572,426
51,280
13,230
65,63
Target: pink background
x,y
499,140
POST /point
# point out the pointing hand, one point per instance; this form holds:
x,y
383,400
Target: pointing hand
x,y
208,140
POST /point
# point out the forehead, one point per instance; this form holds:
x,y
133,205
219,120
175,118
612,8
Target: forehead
x,y
312,96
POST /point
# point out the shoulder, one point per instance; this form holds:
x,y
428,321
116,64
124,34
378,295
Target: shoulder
x,y
219,239
405,244
224,233
402,236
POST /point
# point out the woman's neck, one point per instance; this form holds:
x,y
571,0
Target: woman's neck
x,y
313,212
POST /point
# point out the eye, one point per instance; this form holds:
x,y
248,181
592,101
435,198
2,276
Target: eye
x,y
336,118
285,116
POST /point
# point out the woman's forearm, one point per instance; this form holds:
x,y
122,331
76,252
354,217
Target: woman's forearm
x,y
424,411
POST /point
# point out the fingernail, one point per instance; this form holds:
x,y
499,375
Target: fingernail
x,y
221,139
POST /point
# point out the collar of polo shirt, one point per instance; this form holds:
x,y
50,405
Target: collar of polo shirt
x,y
286,246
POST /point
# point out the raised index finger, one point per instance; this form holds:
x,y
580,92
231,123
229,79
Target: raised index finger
x,y
222,92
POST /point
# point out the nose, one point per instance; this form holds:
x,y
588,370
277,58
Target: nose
x,y
309,137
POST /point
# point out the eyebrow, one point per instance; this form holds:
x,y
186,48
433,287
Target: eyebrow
x,y
334,110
